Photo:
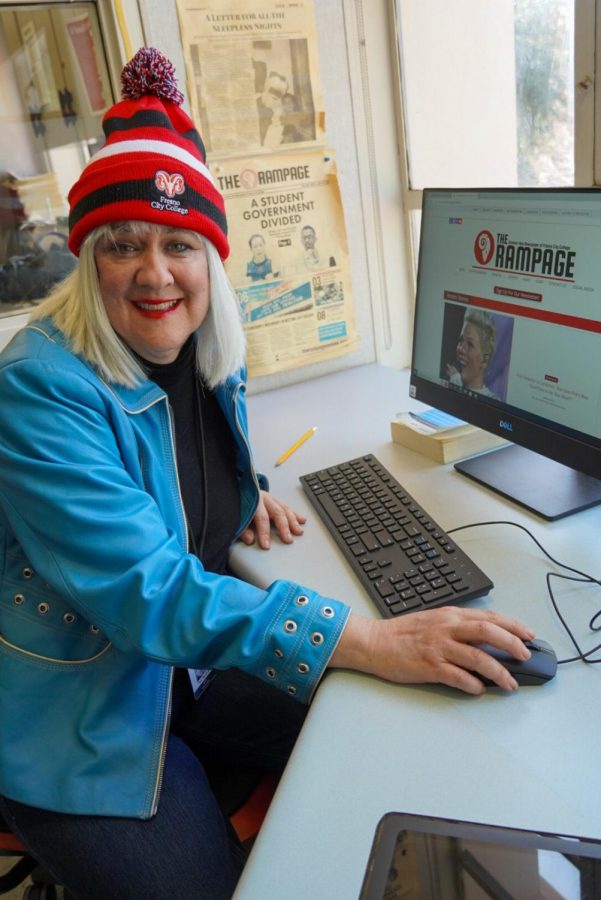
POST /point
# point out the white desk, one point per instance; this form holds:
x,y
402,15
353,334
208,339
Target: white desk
x,y
527,760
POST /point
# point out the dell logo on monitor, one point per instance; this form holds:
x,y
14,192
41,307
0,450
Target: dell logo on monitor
x,y
506,426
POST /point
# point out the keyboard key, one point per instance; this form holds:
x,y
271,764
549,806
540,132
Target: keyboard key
x,y
384,588
397,608
332,510
370,541
412,603
436,596
358,550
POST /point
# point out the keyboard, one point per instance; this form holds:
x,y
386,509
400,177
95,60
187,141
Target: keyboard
x,y
402,557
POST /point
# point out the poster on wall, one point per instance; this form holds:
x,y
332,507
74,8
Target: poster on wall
x,y
289,259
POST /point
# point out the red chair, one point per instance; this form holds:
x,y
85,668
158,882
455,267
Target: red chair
x,y
246,822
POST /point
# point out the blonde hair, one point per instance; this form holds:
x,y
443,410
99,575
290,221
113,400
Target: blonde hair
x,y
484,323
77,309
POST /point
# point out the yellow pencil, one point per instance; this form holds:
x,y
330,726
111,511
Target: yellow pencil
x,y
295,446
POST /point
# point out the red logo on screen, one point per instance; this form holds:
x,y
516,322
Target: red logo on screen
x,y
484,247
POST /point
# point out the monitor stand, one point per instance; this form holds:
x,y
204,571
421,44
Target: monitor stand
x,y
545,487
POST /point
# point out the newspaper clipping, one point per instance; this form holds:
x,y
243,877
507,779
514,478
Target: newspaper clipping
x,y
253,81
252,74
289,259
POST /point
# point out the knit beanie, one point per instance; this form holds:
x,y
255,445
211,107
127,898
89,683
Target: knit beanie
x,y
152,167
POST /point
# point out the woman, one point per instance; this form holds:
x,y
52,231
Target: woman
x,y
125,474
475,349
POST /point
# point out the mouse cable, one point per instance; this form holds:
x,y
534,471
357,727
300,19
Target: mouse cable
x,y
577,576
582,655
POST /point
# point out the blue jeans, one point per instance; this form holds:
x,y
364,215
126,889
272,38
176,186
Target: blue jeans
x,y
188,849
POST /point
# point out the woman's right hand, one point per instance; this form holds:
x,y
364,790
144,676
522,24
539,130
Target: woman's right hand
x,y
437,645
450,370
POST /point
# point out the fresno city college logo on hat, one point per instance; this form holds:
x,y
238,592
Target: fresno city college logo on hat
x,y
169,184
484,247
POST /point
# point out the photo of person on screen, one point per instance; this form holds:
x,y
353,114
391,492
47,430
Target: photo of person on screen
x,y
473,353
259,267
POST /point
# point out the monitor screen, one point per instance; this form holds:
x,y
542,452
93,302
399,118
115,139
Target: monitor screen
x,y
507,329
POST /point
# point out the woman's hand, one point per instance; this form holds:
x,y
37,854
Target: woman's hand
x,y
451,370
270,512
433,646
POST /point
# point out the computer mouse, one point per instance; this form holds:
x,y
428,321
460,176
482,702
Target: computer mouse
x,y
540,668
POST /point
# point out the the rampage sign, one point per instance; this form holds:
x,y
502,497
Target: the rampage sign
x,y
523,257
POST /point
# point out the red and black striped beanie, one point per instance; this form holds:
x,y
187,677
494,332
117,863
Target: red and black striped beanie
x,y
152,167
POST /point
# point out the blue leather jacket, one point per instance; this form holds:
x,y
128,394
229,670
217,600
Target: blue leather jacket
x,y
99,597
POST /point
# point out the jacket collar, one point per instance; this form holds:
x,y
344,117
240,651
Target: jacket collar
x,y
133,400
136,399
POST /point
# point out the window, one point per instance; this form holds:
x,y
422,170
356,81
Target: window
x,y
55,88
490,97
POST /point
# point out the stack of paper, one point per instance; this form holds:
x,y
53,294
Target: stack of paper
x,y
443,444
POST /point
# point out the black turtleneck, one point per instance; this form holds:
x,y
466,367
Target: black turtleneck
x,y
199,421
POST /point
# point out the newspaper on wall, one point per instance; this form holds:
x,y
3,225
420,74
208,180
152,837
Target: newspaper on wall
x,y
255,95
289,259
252,74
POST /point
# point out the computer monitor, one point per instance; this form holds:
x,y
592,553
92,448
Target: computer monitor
x,y
507,335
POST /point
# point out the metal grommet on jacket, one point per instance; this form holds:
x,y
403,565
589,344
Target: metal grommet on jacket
x,y
27,572
302,600
270,672
303,668
316,638
290,626
43,608
19,599
69,618
327,611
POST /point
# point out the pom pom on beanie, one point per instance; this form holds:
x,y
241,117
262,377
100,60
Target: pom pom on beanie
x,y
149,72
